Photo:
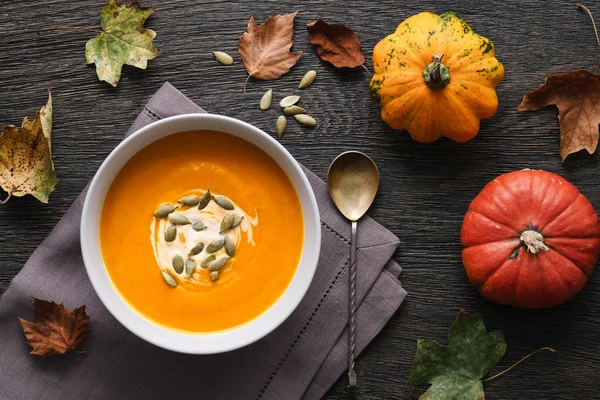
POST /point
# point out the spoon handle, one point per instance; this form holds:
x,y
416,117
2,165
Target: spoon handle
x,y
352,310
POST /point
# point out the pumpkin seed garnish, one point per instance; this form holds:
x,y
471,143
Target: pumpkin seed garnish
x,y
218,263
164,211
223,202
178,219
266,100
227,221
204,200
169,279
214,275
229,246
197,249
190,267
178,263
223,58
305,119
236,220
170,233
207,261
190,201
215,245
289,101
199,226
307,79
280,125
293,110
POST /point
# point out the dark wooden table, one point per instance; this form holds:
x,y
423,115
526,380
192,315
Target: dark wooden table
x,y
425,189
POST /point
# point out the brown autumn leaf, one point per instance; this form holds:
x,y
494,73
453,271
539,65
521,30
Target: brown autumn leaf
x,y
336,43
265,49
57,329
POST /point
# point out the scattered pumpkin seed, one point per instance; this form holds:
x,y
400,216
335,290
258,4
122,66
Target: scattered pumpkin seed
x,y
164,211
266,100
205,263
218,263
190,201
169,279
178,219
171,233
305,120
223,202
236,220
199,226
280,125
307,79
190,267
178,263
214,275
289,101
227,221
215,245
197,249
223,58
229,246
204,200
293,110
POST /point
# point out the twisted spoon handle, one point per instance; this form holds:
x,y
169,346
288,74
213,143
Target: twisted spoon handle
x,y
352,310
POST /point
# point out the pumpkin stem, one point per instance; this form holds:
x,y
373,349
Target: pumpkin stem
x,y
436,75
534,241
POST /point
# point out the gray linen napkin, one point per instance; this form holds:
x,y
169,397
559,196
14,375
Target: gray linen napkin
x,y
299,360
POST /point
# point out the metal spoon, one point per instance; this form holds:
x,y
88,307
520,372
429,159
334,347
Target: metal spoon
x,y
353,180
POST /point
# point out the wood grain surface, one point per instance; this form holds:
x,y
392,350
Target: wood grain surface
x,y
425,189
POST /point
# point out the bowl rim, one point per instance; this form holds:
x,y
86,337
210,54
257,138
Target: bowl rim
x,y
169,338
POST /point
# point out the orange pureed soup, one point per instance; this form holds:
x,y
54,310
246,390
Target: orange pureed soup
x,y
268,240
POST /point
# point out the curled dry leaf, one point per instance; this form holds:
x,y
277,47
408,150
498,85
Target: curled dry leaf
x,y
123,40
57,329
336,43
26,165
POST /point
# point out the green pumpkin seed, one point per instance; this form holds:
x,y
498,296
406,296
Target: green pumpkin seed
x,y
214,275
178,219
206,262
229,246
204,200
218,263
293,110
280,125
197,249
289,101
190,201
305,119
307,79
227,221
178,263
190,267
199,226
266,100
224,202
164,211
236,220
171,233
223,58
169,279
215,245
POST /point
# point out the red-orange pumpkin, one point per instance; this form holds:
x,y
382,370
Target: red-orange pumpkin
x,y
531,240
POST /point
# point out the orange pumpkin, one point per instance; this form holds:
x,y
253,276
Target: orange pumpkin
x,y
531,240
435,77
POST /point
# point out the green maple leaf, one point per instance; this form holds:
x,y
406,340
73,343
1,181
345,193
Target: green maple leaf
x,y
123,40
455,371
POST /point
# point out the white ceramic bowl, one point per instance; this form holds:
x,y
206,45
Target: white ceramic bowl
x,y
173,340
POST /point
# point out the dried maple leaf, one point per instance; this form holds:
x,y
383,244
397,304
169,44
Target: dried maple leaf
x,y
57,330
336,43
26,165
265,49
123,40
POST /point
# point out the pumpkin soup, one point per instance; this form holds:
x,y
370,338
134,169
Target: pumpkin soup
x,y
201,231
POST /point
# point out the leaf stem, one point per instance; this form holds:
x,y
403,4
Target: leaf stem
x,y
593,22
53,28
517,363
6,199
366,69
246,83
